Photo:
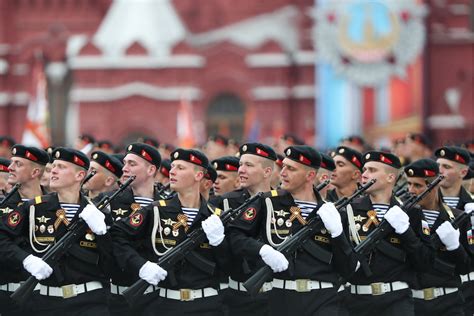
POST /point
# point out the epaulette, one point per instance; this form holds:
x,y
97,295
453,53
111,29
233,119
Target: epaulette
x,y
41,199
274,193
162,202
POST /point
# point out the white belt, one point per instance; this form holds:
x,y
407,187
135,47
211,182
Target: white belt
x,y
70,290
187,294
239,286
467,277
432,292
223,286
301,285
10,287
378,288
118,289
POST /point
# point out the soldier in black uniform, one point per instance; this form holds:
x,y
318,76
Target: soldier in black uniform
x,y
162,177
453,164
6,143
276,180
395,260
256,167
227,175
207,182
346,176
325,171
142,161
75,285
4,172
108,171
436,291
310,286
185,289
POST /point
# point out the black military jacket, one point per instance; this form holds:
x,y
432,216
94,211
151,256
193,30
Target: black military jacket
x,y
164,224
398,257
252,230
87,260
447,265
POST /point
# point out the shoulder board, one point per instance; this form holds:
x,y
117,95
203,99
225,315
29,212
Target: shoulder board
x,y
274,193
41,199
162,202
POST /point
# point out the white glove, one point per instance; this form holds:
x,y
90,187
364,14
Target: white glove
x,y
214,230
398,219
469,207
273,258
331,219
37,267
94,219
448,235
152,273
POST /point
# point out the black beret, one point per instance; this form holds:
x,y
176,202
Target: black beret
x,y
118,156
258,149
327,162
211,174
219,139
34,154
279,160
420,139
7,141
4,163
87,138
71,155
165,167
422,168
145,151
292,139
384,157
108,162
470,172
190,155
305,155
105,144
456,154
226,163
351,155
150,141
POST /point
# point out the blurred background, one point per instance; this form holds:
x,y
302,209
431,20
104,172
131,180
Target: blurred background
x,y
182,70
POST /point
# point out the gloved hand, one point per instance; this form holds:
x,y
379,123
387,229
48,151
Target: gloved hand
x,y
398,219
469,207
448,235
273,258
37,267
331,219
94,219
152,273
214,230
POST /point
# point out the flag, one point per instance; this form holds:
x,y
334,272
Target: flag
x,y
252,125
184,124
37,132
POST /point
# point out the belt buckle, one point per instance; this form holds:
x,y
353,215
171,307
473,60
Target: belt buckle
x,y
377,288
185,295
429,294
302,285
69,290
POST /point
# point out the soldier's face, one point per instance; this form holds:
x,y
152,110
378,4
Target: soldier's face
x,y
451,172
293,176
20,170
135,166
183,175
416,186
46,175
276,179
344,172
226,181
65,174
251,171
97,182
375,170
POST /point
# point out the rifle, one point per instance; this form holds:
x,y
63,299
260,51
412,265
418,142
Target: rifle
x,y
384,228
183,249
9,195
299,239
88,177
322,185
56,252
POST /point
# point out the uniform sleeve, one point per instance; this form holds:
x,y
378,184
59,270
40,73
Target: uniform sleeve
x,y
104,246
345,259
13,227
464,255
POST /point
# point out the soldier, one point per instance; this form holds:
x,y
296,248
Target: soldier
x,y
108,171
143,162
216,146
392,265
149,141
325,171
453,165
276,180
85,143
106,146
76,283
45,178
207,182
163,176
168,222
227,175
436,291
165,150
286,140
312,285
354,142
417,146
256,167
4,186
26,168
6,144
468,180
346,176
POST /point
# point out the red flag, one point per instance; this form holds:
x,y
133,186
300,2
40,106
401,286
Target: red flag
x,y
184,124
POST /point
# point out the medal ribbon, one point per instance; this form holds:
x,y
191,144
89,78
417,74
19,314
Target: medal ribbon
x,y
61,218
296,214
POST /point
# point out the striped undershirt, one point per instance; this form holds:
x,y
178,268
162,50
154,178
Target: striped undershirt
x,y
451,201
381,209
430,217
306,207
143,201
70,209
191,214
24,200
